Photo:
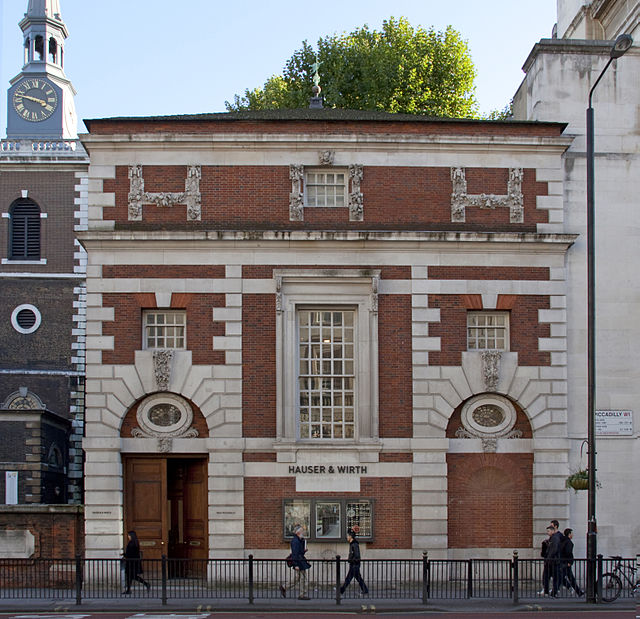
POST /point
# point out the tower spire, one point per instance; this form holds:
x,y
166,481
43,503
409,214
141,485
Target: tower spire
x,y
41,104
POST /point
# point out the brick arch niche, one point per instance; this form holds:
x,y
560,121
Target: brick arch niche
x,y
489,477
130,424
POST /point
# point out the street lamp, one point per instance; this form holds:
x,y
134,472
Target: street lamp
x,y
621,45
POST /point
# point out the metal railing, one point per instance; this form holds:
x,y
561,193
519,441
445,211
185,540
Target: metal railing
x,y
254,579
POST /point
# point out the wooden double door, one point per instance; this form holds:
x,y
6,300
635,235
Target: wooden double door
x,y
165,501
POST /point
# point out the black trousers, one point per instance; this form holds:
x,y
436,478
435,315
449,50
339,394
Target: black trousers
x,y
354,572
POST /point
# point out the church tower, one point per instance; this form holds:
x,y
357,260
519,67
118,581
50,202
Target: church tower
x,y
40,100
43,204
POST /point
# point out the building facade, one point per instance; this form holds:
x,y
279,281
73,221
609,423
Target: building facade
x,y
325,317
560,72
43,187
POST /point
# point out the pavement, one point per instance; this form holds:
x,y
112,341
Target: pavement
x,y
365,605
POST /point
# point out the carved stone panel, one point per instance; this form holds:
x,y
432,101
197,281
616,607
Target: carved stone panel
x,y
513,199
190,197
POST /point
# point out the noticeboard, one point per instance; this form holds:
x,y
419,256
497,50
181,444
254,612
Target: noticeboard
x,y
614,423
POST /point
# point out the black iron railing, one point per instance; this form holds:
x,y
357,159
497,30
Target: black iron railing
x,y
255,579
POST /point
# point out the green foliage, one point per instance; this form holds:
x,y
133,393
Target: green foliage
x,y
398,69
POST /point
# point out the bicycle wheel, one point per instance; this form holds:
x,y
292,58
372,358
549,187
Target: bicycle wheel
x,y
611,587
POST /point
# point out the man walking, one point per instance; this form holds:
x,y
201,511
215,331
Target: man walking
x,y
354,564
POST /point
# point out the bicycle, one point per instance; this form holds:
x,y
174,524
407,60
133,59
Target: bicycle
x,y
611,583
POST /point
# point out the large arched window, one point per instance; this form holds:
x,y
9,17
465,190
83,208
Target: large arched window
x,y
24,236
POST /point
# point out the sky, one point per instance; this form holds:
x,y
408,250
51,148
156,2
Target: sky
x,y
164,57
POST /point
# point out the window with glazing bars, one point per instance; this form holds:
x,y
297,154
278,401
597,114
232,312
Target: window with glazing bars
x,y
488,331
165,330
326,377
325,188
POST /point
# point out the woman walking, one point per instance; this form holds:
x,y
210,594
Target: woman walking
x,y
132,558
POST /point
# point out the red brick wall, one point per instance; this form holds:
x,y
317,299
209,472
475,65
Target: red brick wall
x,y
395,369
257,198
127,326
322,126
258,365
57,529
524,329
151,271
490,500
263,498
488,273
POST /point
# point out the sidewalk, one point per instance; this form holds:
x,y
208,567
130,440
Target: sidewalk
x,y
145,605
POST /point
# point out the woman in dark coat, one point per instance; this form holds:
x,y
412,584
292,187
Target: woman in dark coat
x,y
133,562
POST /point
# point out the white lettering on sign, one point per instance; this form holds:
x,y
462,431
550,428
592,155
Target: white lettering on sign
x,y
614,423
320,469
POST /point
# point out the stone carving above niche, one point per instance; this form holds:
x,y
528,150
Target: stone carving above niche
x,y
488,417
190,197
491,368
513,199
23,400
162,368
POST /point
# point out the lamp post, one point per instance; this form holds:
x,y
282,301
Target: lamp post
x,y
621,45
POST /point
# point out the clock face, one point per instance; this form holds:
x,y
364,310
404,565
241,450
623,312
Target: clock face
x,y
35,99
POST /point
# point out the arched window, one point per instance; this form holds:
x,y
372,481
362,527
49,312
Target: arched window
x,y
24,234
39,48
27,45
53,50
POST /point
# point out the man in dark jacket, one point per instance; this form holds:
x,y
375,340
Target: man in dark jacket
x,y
354,564
566,554
299,564
553,555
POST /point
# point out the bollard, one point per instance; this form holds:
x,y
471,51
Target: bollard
x,y
338,580
79,572
425,576
250,579
515,576
164,580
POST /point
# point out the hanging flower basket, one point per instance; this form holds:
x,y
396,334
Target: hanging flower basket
x,y
578,481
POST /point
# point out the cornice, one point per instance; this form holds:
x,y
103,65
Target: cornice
x,y
178,240
157,147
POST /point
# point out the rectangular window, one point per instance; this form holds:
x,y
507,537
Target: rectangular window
x,y
326,374
323,188
328,519
488,331
164,329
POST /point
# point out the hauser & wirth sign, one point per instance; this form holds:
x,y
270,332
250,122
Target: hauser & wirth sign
x,y
321,469
614,423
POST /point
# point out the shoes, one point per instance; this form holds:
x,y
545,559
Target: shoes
x,y
283,591
543,592
341,590
127,592
148,586
580,593
304,597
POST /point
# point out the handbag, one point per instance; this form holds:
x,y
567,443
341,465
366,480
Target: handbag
x,y
289,560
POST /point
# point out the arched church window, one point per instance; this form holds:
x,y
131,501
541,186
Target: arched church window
x,y
24,233
39,48
53,50
27,45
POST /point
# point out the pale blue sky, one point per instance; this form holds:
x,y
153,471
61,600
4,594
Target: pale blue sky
x,y
157,57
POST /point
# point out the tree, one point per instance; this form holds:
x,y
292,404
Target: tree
x,y
399,69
